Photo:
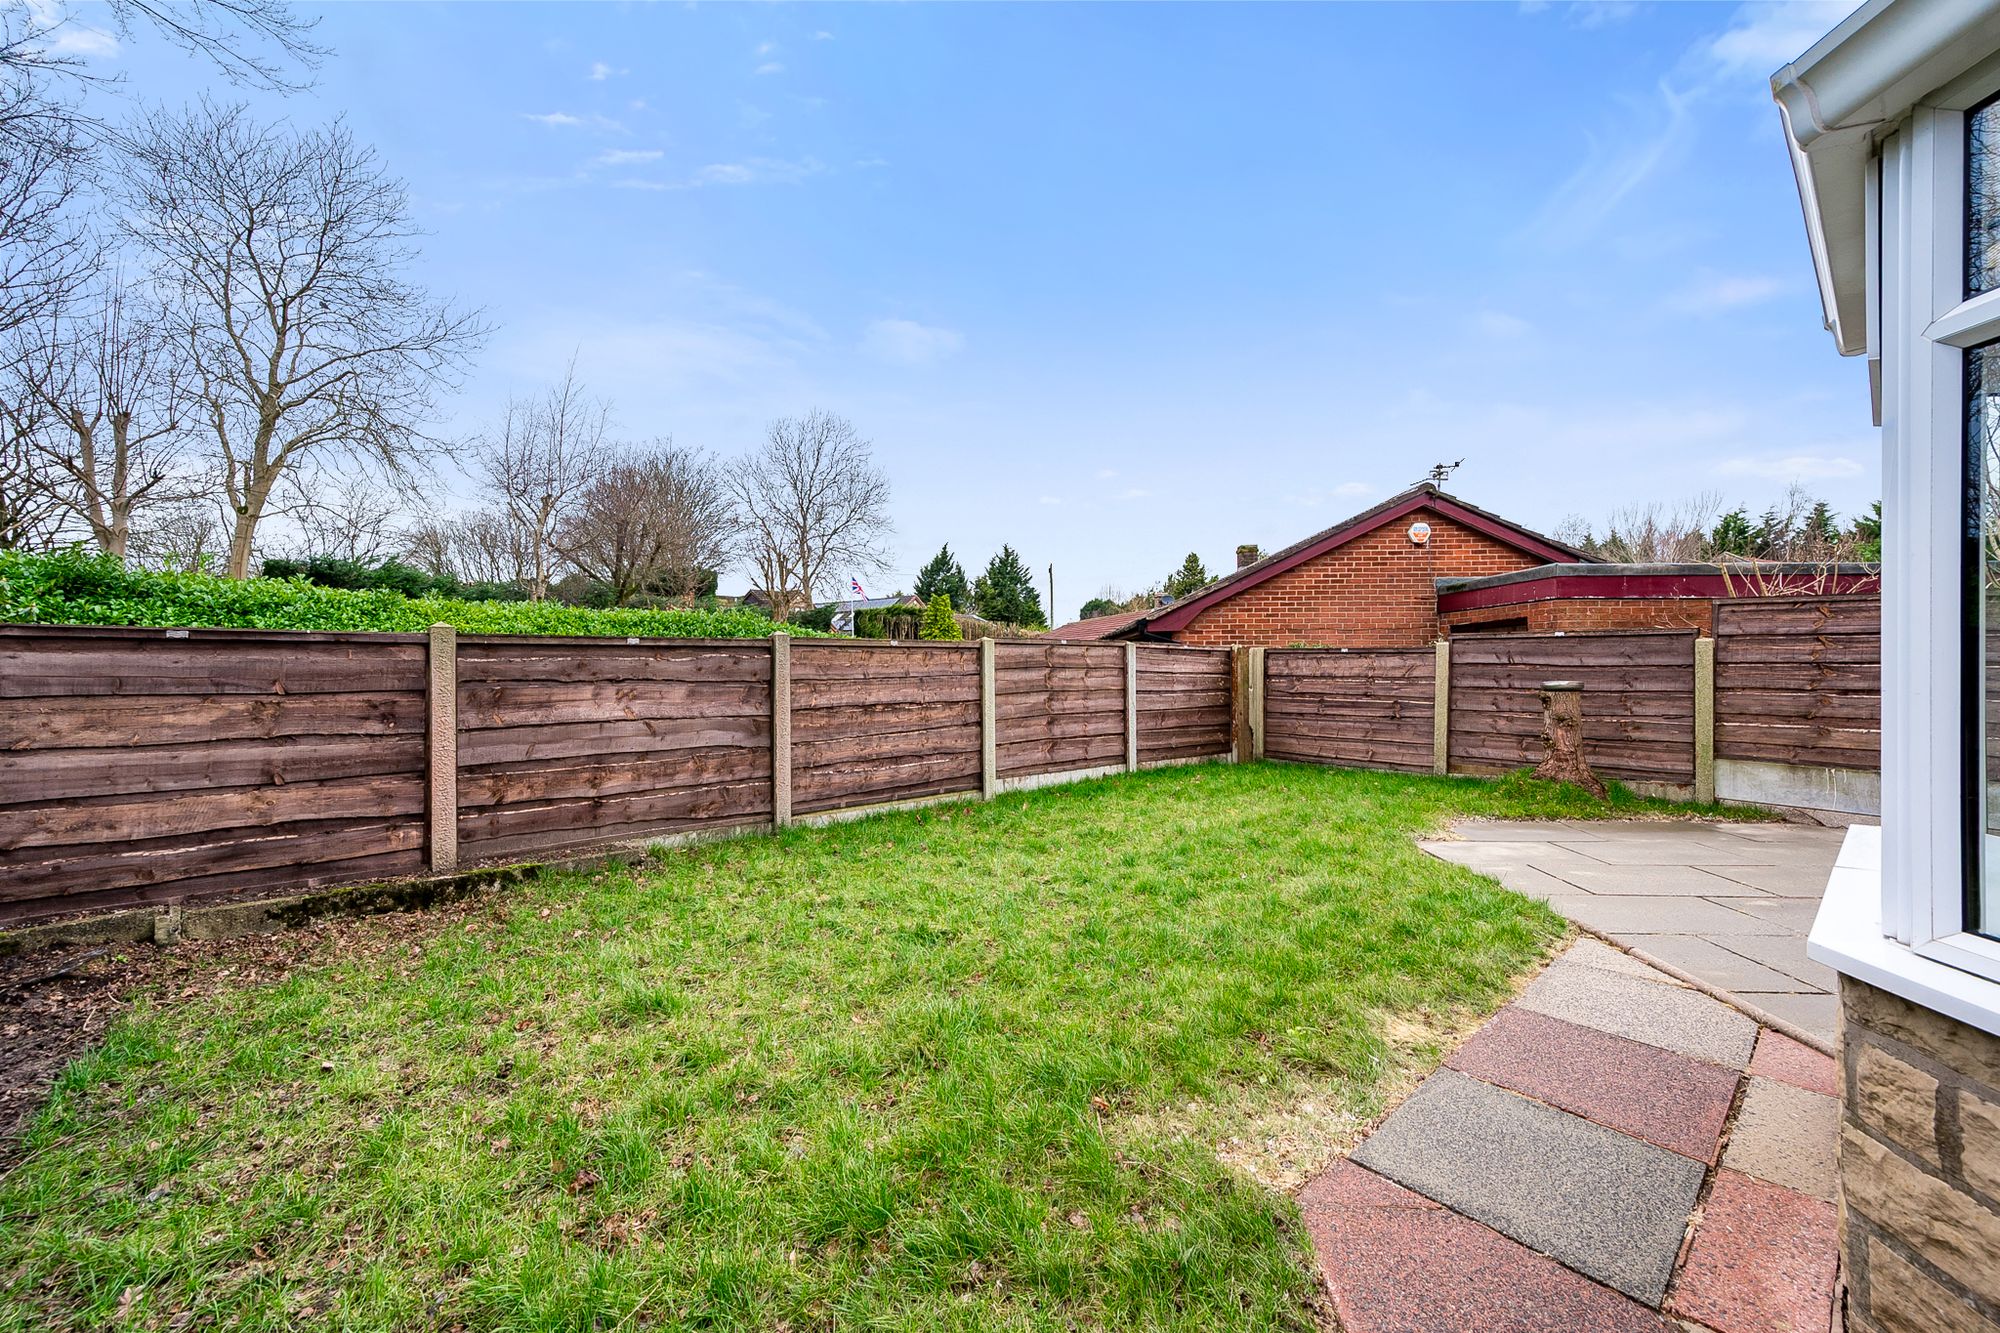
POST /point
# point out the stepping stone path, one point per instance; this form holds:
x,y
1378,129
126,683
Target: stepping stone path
x,y
1614,1150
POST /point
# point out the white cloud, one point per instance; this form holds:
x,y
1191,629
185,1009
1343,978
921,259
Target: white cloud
x,y
770,67
1499,324
599,72
626,157
1106,473
1762,37
822,36
758,171
1048,499
1351,489
906,342
1792,467
565,121
1719,292
1613,170
765,48
1133,493
55,31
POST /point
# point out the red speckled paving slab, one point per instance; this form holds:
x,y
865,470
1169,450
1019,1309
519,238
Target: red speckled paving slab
x,y
1762,1260
1668,1100
1399,1263
1787,1061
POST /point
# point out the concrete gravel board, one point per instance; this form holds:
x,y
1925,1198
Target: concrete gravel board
x,y
1672,1018
1607,1205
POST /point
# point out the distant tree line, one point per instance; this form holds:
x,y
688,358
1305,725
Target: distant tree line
x,y
1800,528
1003,593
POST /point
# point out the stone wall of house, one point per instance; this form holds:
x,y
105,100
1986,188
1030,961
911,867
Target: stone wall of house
x,y
1919,1168
1377,591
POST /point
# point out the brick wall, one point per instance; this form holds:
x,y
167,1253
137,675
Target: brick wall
x,y
1919,1168
1376,591
1575,615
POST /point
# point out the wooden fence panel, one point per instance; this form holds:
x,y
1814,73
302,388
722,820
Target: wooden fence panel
x,y
568,742
874,722
1183,703
157,767
1798,680
1058,706
1365,709
1638,701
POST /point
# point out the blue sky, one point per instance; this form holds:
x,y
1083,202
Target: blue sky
x,y
1112,283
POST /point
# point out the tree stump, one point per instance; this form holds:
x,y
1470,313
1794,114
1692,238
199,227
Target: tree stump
x,y
1562,733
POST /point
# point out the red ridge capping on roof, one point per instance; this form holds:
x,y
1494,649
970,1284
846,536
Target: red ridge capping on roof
x,y
1553,586
1426,496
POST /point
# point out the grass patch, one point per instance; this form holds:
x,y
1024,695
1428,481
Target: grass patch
x,y
969,1067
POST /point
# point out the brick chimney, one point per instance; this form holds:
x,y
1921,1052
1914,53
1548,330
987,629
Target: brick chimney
x,y
1247,555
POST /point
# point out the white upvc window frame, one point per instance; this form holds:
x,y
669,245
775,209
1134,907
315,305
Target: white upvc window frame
x,y
1925,323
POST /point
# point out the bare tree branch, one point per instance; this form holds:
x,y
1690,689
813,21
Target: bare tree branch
x,y
546,454
813,507
279,254
652,519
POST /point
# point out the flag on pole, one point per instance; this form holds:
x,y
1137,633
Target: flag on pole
x,y
856,585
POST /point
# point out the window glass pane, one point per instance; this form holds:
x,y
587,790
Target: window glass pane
x,y
1982,697
1982,202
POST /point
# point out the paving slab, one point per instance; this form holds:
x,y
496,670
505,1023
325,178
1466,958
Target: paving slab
x,y
1589,951
1779,1057
1663,881
1782,953
1665,1099
1522,879
1633,915
1702,957
1603,1203
1674,1018
1801,878
1762,1260
1647,851
1486,856
1810,1012
1787,1136
1398,1263
1794,914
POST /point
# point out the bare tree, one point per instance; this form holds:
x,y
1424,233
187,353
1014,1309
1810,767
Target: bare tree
x,y
252,42
105,386
483,547
349,516
813,507
546,455
187,536
280,254
45,246
661,515
33,514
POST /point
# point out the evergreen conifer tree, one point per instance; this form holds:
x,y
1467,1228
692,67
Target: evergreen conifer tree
x,y
945,577
1190,577
939,624
1006,592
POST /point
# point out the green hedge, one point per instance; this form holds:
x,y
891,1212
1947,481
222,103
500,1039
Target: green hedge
x,y
75,588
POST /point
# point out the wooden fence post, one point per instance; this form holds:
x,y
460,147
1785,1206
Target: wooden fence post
x,y
1241,743
989,739
1704,720
1131,707
1256,703
1441,711
442,751
781,730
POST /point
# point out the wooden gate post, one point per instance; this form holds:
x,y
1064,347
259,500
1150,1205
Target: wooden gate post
x,y
781,730
441,689
989,725
1441,711
1704,720
1241,743
1131,707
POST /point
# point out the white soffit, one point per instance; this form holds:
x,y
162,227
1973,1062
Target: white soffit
x,y
1858,80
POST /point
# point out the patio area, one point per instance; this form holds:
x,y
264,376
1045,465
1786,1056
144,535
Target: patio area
x,y
1725,905
1625,1146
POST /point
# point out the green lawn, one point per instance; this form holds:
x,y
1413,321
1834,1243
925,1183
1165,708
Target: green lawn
x,y
967,1067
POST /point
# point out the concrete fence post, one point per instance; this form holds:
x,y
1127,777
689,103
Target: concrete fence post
x,y
1256,703
1131,707
1441,711
781,730
1704,720
441,690
989,725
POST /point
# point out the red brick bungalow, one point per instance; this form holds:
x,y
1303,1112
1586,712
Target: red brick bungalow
x,y
1367,582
